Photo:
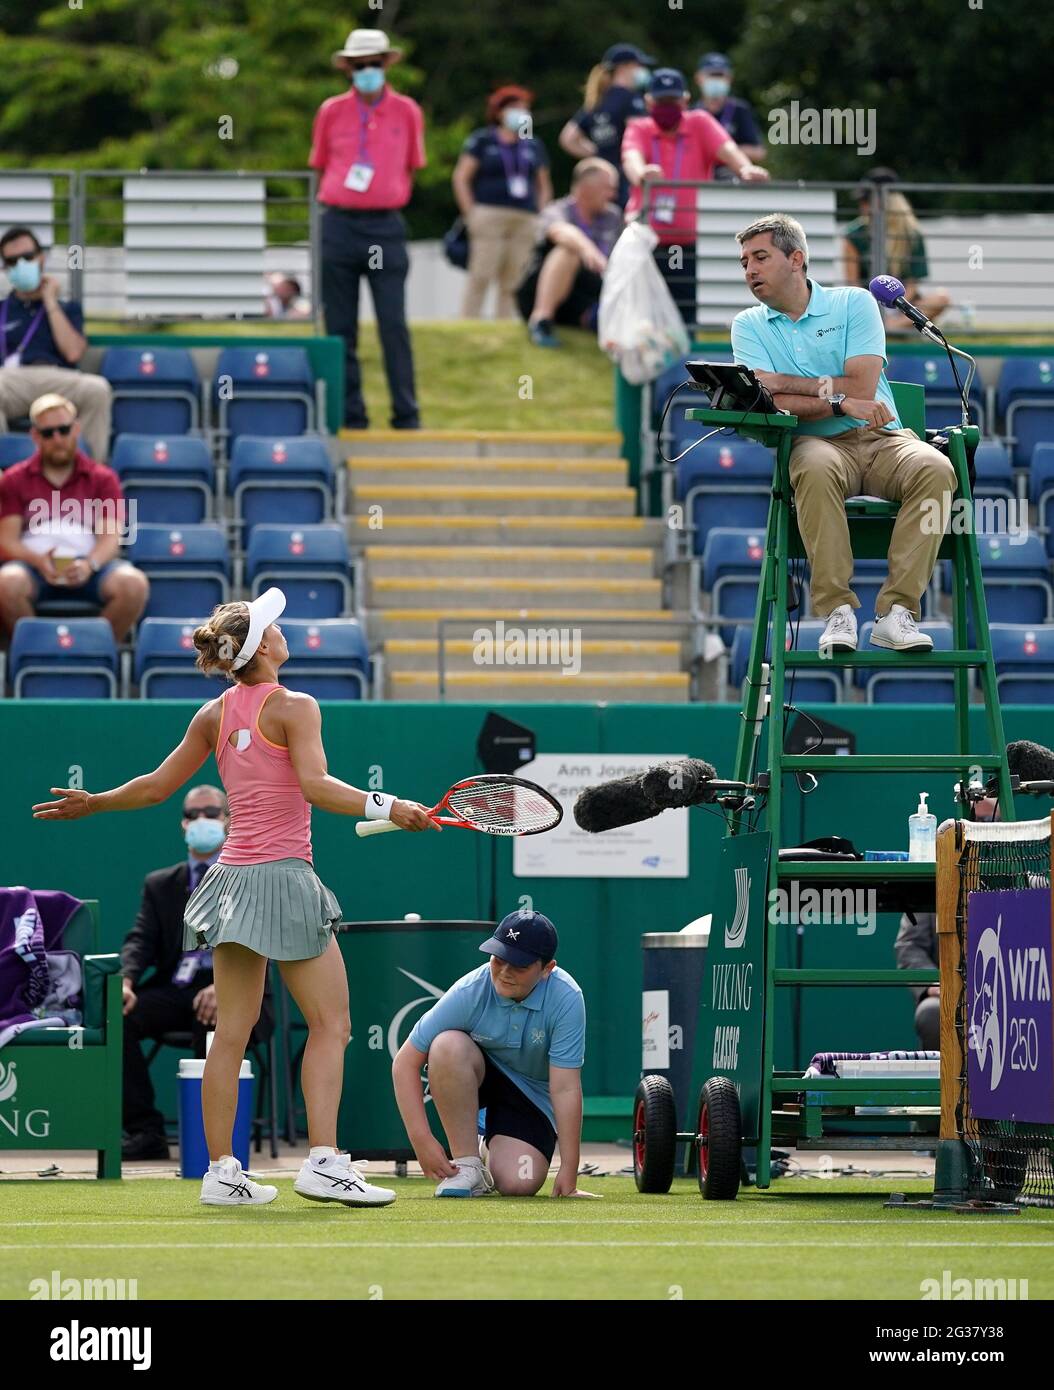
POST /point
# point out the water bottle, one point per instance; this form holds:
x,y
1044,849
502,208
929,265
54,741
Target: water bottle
x,y
922,834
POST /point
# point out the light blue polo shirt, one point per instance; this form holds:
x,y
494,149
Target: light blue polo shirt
x,y
837,324
521,1036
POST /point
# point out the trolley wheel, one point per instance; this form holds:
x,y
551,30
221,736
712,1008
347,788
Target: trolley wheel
x,y
654,1135
720,1140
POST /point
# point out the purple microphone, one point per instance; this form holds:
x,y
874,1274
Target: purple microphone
x,y
888,290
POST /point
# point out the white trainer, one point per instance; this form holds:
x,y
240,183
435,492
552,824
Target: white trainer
x,y
899,631
840,633
229,1186
471,1180
335,1178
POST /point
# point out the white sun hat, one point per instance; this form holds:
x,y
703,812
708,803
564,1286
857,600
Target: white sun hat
x,y
368,43
263,611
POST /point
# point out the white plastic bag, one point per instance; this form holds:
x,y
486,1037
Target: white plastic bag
x,y
638,324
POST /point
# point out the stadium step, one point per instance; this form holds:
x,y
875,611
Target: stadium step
x,y
529,561
495,501
526,472
386,623
459,654
534,685
464,530
469,591
482,443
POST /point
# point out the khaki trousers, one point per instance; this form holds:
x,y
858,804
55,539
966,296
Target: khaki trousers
x,y
92,395
501,242
893,464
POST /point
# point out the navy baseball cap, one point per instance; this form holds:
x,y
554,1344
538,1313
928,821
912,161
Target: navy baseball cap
x,y
522,938
714,62
667,82
626,53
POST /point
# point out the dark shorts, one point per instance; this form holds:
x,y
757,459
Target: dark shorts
x,y
88,592
579,308
512,1113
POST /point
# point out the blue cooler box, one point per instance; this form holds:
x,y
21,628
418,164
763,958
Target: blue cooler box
x,y
193,1151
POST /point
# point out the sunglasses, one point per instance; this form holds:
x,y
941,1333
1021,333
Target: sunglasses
x,y
367,63
54,429
11,261
212,812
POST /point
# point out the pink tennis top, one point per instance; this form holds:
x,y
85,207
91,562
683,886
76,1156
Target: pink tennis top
x,y
269,817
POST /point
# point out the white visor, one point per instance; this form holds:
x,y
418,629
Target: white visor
x,y
263,611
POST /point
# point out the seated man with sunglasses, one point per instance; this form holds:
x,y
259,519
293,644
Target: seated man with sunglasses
x,y
41,342
178,995
62,520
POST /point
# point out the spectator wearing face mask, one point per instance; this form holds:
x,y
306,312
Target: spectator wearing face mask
x,y
500,181
367,145
714,77
42,340
614,92
673,143
167,989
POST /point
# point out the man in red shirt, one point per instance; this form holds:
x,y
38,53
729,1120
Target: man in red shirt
x,y
61,522
673,143
366,145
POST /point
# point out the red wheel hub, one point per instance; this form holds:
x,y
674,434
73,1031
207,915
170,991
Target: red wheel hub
x,y
704,1139
638,1136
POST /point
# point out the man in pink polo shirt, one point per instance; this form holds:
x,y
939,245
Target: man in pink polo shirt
x,y
366,145
673,143
61,520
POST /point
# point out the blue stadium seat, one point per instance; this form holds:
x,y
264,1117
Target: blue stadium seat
x,y
309,563
63,659
1026,404
1041,490
728,481
172,480
188,567
327,659
995,474
155,390
280,481
164,661
732,559
943,401
912,686
1024,663
264,392
808,687
1016,574
14,448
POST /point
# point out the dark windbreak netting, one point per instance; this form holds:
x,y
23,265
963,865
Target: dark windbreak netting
x,y
1013,1161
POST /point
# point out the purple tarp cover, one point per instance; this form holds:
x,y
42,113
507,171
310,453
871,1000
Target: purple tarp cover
x,y
32,922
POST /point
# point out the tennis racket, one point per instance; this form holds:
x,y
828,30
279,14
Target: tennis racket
x,y
491,803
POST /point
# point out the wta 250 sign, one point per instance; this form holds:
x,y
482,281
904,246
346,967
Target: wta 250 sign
x,y
1010,1056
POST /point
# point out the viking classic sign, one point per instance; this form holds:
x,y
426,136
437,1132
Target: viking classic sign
x,y
1011,1012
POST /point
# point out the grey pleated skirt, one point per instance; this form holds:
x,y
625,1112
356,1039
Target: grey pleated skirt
x,y
280,909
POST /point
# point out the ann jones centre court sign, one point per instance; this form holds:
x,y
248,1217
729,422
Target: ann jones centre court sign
x,y
1010,1020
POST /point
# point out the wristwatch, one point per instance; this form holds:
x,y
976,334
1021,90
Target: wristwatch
x,y
836,404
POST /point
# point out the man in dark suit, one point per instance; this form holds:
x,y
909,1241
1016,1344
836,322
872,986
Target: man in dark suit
x,y
178,996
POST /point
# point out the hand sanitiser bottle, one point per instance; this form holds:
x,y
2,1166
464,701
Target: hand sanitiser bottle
x,y
922,834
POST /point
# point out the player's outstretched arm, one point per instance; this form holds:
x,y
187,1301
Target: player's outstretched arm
x,y
148,790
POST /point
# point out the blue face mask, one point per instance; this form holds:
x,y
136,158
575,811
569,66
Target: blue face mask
x,y
715,87
642,79
25,276
368,80
204,835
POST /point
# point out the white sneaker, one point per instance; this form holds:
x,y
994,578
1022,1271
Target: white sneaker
x,y
335,1178
471,1180
840,633
229,1186
899,630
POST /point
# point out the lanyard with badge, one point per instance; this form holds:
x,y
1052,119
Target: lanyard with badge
x,y
15,358
360,175
665,204
515,177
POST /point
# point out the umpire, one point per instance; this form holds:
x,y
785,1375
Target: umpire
x,y
366,145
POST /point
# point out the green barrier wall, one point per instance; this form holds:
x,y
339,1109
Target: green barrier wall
x,y
421,749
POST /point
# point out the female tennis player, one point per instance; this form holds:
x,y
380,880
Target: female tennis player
x,y
261,900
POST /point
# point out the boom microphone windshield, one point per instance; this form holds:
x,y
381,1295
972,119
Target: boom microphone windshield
x,y
681,783
1030,761
606,807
